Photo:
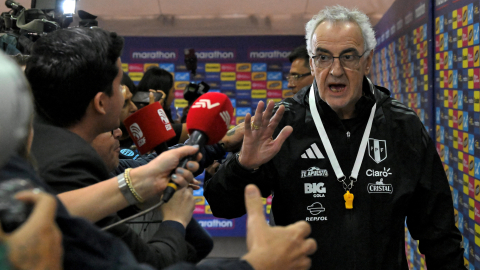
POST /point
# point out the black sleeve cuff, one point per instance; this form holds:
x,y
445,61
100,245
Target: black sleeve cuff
x,y
174,224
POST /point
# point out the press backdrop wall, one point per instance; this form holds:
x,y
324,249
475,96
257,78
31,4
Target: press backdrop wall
x,y
246,69
428,55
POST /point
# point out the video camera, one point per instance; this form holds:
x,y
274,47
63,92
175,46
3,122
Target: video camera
x,y
13,212
22,27
193,90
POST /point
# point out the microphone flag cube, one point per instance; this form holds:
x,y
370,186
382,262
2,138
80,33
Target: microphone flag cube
x,y
149,127
211,114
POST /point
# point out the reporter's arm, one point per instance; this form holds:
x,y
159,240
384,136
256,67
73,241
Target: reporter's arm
x,y
102,199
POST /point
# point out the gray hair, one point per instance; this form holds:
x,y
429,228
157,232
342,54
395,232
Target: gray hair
x,y
342,14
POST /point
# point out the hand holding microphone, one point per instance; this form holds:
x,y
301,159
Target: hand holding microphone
x,y
207,123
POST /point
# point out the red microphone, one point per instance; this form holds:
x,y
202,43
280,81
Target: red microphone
x,y
207,122
149,128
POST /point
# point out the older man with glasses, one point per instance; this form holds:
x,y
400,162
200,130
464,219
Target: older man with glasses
x,y
347,158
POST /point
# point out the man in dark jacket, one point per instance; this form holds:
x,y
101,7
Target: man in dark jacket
x,y
348,159
78,96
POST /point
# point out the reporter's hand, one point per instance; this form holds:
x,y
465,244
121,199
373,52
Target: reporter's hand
x,y
180,207
275,247
37,244
152,179
258,145
151,97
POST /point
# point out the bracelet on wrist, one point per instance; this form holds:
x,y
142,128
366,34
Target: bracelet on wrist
x,y
128,180
122,185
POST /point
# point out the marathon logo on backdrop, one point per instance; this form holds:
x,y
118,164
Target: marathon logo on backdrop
x,y
268,54
157,55
216,223
206,55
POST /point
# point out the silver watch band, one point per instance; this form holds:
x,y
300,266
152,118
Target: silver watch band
x,y
122,185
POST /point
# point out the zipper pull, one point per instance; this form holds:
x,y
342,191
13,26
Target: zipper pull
x,y
348,136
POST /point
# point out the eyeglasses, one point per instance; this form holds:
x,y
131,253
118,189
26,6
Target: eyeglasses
x,y
347,60
295,77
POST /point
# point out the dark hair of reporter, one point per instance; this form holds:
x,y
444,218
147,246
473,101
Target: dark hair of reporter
x,y
63,66
300,52
158,79
127,81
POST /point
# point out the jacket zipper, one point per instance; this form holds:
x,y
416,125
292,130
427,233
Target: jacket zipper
x,y
348,136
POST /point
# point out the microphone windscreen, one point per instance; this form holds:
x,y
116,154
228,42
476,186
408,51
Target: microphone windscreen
x,y
149,127
211,114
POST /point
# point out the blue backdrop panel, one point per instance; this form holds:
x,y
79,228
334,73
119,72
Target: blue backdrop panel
x,y
457,109
403,63
246,69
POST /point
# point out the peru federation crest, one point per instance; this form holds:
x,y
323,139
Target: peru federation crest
x,y
377,149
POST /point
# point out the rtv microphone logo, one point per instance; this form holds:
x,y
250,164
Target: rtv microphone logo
x,y
205,103
226,117
137,134
164,119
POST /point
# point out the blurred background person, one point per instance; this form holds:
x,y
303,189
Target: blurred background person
x,y
300,75
155,79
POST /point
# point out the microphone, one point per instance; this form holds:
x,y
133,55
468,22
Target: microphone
x,y
207,122
150,128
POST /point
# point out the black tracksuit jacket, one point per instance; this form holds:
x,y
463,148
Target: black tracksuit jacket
x,y
401,179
